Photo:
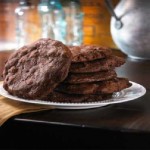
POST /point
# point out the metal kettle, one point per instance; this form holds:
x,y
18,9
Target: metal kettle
x,y
130,27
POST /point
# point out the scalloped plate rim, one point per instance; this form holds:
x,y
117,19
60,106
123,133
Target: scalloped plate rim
x,y
128,94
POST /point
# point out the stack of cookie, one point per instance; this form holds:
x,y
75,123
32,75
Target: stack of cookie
x,y
92,75
49,70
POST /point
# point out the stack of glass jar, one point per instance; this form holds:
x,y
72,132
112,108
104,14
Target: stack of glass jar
x,y
59,20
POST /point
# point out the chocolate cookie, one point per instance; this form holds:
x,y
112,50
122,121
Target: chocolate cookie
x,y
97,65
35,70
75,98
103,87
89,52
77,78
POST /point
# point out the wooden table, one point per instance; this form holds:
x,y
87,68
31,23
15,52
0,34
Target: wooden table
x,y
124,125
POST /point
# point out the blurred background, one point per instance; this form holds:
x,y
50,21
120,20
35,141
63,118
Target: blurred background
x,y
71,21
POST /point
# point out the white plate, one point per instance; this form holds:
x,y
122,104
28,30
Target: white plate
x,y
131,93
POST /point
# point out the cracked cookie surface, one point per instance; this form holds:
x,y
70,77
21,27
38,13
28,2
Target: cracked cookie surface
x,y
35,70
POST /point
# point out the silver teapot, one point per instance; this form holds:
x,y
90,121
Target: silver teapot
x,y
130,27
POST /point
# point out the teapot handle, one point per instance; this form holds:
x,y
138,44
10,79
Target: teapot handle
x,y
109,5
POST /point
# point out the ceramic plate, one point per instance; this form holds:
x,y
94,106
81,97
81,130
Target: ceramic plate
x,y
131,93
